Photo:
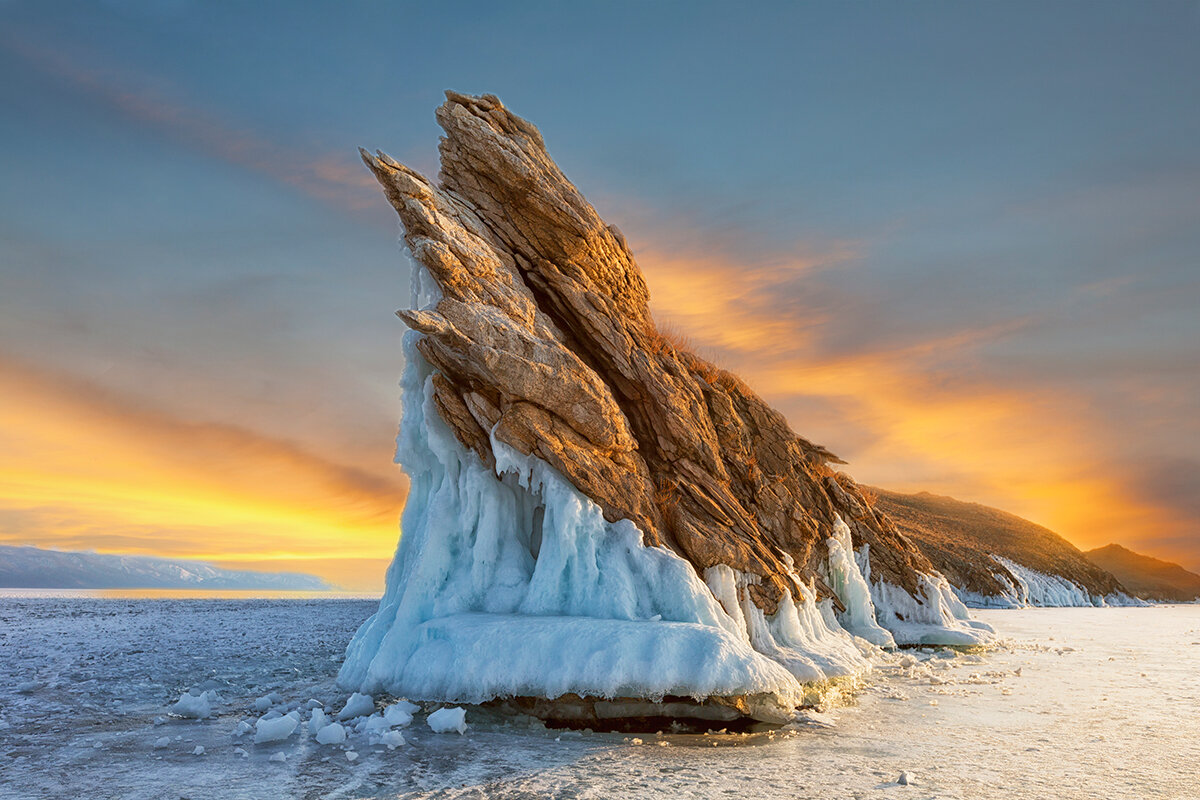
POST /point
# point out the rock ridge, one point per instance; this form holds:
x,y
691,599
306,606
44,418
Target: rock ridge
x,y
541,337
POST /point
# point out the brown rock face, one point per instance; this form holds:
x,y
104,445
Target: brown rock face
x,y
543,335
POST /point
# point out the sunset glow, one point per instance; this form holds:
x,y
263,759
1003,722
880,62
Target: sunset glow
x,y
962,274
81,472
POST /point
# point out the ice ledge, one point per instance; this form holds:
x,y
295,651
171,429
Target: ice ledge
x,y
1028,587
935,617
472,658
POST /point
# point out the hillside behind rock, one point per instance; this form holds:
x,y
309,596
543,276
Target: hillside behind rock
x,y
959,538
1145,576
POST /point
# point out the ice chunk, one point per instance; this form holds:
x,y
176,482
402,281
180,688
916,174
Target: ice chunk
x,y
359,705
333,733
266,701
392,739
319,720
445,720
279,757
275,730
198,751
195,704
161,742
400,713
242,729
351,755
376,723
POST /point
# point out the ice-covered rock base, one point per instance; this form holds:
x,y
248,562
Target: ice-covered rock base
x,y
1028,587
511,584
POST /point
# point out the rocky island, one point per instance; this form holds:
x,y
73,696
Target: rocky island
x,y
601,523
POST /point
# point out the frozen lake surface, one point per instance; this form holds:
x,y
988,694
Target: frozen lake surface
x,y
1078,703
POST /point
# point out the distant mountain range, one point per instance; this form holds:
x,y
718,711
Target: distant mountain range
x,y
1145,576
35,568
988,555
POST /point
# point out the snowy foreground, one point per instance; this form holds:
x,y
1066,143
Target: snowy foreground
x,y
1074,703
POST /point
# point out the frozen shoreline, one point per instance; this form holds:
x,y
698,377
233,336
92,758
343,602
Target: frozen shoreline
x,y
1072,724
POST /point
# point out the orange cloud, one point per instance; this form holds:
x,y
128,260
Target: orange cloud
x,y
914,418
83,468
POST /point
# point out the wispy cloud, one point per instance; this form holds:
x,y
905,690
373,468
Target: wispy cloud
x,y
336,179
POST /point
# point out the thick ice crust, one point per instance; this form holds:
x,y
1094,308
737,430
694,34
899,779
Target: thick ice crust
x,y
936,616
510,583
1029,587
519,586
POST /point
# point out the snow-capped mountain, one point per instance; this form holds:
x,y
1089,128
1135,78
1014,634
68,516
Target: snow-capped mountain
x,y
34,567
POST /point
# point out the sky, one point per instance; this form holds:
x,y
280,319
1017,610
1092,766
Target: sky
x,y
956,243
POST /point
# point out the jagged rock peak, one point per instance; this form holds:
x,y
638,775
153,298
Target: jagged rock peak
x,y
542,337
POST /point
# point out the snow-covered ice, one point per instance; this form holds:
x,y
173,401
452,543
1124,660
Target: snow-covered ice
x,y
265,702
196,704
400,713
392,739
1076,703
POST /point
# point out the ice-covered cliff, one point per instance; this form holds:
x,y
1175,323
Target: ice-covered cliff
x,y
999,560
596,513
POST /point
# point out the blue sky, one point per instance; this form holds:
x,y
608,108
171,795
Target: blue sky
x,y
965,237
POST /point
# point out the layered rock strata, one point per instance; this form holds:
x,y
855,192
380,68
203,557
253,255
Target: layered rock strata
x,y
537,356
543,334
